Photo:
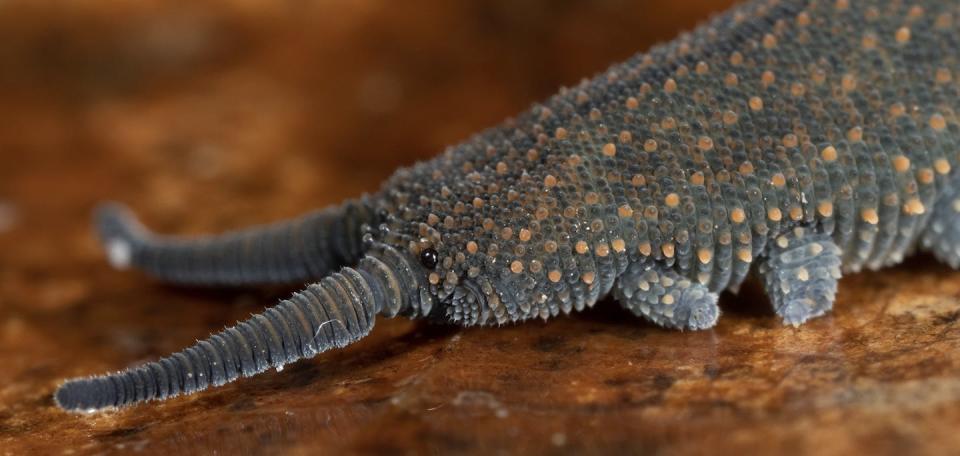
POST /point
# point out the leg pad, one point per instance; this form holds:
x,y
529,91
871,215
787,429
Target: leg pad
x,y
800,274
942,235
667,299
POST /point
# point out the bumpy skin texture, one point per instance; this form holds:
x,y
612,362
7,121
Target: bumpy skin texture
x,y
793,138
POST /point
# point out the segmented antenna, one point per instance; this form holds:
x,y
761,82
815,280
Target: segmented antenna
x,y
332,313
305,248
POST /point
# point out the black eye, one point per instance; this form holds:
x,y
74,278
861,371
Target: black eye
x,y
429,258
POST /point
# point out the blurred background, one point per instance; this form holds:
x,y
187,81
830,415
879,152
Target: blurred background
x,y
202,112
206,116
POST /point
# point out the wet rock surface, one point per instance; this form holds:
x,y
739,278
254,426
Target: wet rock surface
x,y
205,118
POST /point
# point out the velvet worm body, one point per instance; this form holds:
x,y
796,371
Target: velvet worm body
x,y
794,139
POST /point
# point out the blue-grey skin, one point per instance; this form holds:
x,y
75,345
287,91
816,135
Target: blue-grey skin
x,y
795,139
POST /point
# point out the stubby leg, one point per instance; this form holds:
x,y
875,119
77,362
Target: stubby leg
x,y
800,273
666,298
942,235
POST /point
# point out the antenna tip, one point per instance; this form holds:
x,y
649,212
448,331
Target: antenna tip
x,y
79,395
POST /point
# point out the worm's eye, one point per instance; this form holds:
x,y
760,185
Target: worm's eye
x,y
429,258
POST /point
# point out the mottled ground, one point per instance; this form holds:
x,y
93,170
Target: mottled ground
x,y
216,116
